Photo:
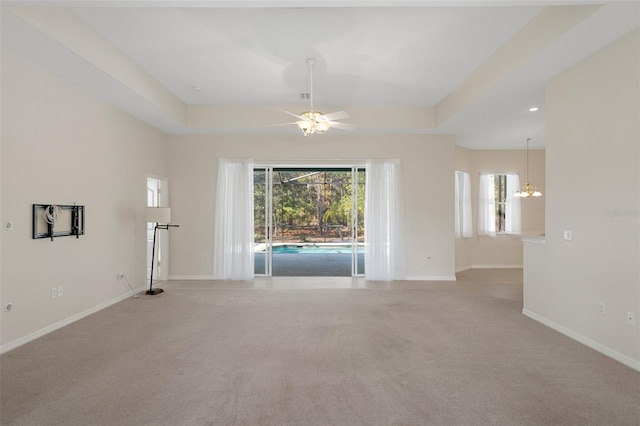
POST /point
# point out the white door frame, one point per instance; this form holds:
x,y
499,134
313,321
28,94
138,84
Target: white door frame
x,y
354,166
354,222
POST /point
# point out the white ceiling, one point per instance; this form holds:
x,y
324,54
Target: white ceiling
x,y
409,54
370,56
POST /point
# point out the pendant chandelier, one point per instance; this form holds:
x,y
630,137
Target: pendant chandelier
x,y
528,190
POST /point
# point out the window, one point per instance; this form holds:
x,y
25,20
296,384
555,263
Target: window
x,y
498,209
463,226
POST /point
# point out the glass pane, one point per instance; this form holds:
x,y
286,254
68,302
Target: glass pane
x,y
500,183
312,222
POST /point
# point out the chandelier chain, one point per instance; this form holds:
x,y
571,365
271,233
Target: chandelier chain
x,y
528,139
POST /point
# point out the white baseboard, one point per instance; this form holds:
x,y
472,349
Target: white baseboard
x,y
624,359
191,277
496,267
466,268
409,278
53,327
430,278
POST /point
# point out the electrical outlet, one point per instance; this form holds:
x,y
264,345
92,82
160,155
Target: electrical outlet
x,y
631,318
568,235
60,291
602,308
54,292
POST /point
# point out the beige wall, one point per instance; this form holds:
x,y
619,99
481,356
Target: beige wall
x,y
427,163
501,250
61,145
593,176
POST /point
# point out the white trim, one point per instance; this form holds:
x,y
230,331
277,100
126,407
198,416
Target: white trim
x,y
430,278
190,277
157,177
467,267
53,327
624,359
495,267
408,278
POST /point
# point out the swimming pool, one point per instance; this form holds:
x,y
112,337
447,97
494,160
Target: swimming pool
x,y
314,249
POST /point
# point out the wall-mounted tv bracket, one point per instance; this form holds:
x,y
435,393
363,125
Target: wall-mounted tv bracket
x,y
57,220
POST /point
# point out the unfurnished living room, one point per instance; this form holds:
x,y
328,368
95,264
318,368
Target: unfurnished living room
x,y
320,212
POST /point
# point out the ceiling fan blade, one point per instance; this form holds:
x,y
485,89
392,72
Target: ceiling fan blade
x,y
343,126
338,115
283,124
294,115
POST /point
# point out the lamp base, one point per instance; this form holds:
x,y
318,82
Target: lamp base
x,y
154,291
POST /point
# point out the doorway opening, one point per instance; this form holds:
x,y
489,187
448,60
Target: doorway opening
x,y
157,196
309,221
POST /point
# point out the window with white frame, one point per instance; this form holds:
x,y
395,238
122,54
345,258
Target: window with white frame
x,y
463,226
498,209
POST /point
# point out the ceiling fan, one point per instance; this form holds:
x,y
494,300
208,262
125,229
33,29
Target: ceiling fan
x,y
312,121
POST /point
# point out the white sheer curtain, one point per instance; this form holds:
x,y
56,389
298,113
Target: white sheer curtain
x,y
486,206
463,224
233,229
383,221
512,223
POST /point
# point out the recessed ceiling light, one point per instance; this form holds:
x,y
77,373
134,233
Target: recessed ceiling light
x,y
534,109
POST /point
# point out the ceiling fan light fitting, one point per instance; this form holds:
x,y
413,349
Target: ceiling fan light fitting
x,y
313,123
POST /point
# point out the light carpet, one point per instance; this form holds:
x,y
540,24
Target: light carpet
x,y
404,353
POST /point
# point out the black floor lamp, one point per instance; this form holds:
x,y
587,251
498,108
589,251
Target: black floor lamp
x,y
161,216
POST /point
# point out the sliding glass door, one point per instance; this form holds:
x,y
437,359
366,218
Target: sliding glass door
x,y
309,221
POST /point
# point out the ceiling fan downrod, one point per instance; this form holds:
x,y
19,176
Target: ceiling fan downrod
x,y
310,63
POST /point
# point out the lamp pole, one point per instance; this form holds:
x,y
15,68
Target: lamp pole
x,y
153,291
